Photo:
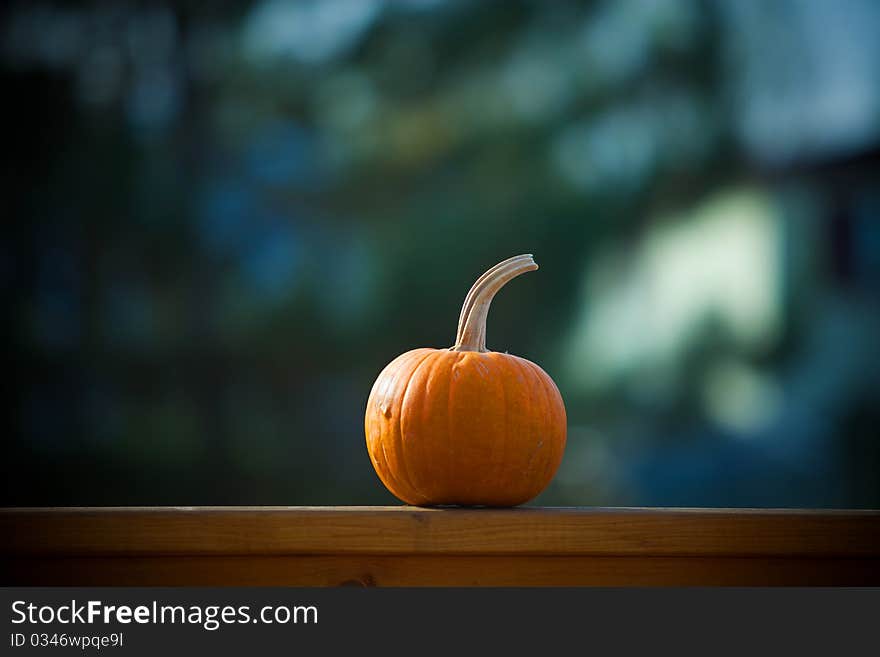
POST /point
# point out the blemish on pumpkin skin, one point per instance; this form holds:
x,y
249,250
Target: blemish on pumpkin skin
x,y
385,410
533,455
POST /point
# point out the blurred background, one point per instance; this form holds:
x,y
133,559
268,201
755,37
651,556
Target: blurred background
x,y
227,218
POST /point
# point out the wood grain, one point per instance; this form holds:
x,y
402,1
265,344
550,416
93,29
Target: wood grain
x,y
398,546
410,530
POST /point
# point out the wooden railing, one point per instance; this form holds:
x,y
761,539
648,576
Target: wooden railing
x,y
407,546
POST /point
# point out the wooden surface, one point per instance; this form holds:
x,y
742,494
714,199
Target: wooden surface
x,y
401,546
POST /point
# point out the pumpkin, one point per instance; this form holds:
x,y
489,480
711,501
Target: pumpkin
x,y
466,426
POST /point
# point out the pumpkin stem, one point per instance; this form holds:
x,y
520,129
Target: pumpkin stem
x,y
471,334
469,299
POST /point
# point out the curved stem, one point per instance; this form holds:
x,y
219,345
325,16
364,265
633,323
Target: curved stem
x,y
472,322
469,299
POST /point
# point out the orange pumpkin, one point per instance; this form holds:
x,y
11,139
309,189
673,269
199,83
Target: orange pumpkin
x,y
464,425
